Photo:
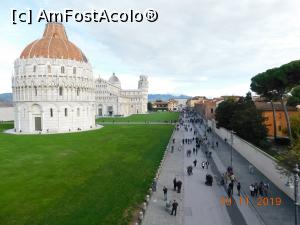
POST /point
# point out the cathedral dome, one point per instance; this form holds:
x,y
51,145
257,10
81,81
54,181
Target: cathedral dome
x,y
54,44
114,80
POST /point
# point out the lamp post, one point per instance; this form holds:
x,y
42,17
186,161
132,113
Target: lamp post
x,y
296,181
231,149
213,132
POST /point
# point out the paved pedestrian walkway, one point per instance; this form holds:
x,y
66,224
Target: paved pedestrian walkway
x,y
156,213
202,202
241,213
198,203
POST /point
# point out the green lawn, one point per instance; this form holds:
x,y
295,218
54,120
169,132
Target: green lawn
x,y
151,117
94,177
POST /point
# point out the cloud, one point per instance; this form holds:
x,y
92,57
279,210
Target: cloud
x,y
195,46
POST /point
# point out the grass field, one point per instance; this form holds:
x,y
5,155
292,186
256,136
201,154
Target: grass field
x,y
151,117
95,177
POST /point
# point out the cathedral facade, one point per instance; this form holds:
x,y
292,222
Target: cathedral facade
x,y
54,89
112,100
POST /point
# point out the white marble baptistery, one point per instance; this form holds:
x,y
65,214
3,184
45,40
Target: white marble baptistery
x,y
53,86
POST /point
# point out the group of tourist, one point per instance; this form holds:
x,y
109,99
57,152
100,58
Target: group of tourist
x,y
261,189
205,164
171,206
177,184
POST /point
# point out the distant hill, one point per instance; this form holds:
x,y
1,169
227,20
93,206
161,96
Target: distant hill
x,y
165,97
5,104
7,97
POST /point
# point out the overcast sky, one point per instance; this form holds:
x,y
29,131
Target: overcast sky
x,y
196,47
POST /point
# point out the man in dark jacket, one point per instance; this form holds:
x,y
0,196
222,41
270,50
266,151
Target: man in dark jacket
x,y
174,208
179,184
175,183
195,162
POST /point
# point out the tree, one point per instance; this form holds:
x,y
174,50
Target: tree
x,y
292,71
294,99
149,106
288,159
261,86
224,112
277,83
248,122
295,125
242,117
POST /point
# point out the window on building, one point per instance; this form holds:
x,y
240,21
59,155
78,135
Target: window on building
x,y
211,110
78,91
35,91
78,112
74,70
60,91
66,112
51,112
279,127
49,69
62,69
34,69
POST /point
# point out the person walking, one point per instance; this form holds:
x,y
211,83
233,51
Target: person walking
x,y
154,184
195,162
190,170
174,208
165,190
203,165
238,187
260,188
179,184
266,189
255,189
174,183
251,188
207,164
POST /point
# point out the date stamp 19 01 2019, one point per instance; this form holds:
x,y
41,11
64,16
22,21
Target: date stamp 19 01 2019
x,y
260,201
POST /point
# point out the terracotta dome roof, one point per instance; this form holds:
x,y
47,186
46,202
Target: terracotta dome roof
x,y
54,44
